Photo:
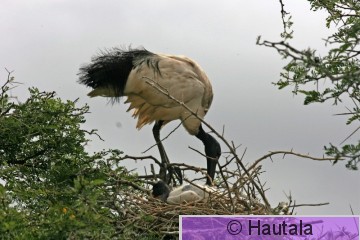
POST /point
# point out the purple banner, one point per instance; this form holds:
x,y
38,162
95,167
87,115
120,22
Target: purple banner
x,y
269,227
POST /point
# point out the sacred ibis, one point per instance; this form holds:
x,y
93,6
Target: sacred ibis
x,y
183,194
116,73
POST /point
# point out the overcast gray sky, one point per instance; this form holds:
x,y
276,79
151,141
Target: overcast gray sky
x,y
45,42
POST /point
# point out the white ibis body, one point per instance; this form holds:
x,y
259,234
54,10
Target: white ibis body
x,y
117,73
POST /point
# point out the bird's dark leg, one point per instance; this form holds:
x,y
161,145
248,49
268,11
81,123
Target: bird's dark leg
x,y
212,152
164,158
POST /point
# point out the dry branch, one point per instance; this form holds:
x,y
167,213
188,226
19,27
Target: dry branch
x,y
284,153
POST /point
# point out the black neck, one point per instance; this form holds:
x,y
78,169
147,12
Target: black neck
x,y
212,152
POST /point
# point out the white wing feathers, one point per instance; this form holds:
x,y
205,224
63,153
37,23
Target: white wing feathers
x,y
182,79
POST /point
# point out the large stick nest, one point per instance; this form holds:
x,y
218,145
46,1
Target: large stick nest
x,y
239,193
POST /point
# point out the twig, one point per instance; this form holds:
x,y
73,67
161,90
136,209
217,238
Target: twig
x,y
283,14
269,155
139,158
132,184
357,129
309,205
163,139
195,150
227,187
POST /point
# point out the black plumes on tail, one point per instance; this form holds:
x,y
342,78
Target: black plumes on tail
x,y
111,68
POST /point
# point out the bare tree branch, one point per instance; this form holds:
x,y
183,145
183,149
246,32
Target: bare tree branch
x,y
284,153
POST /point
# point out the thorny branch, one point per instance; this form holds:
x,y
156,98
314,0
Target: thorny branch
x,y
164,138
286,50
283,14
3,96
284,153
